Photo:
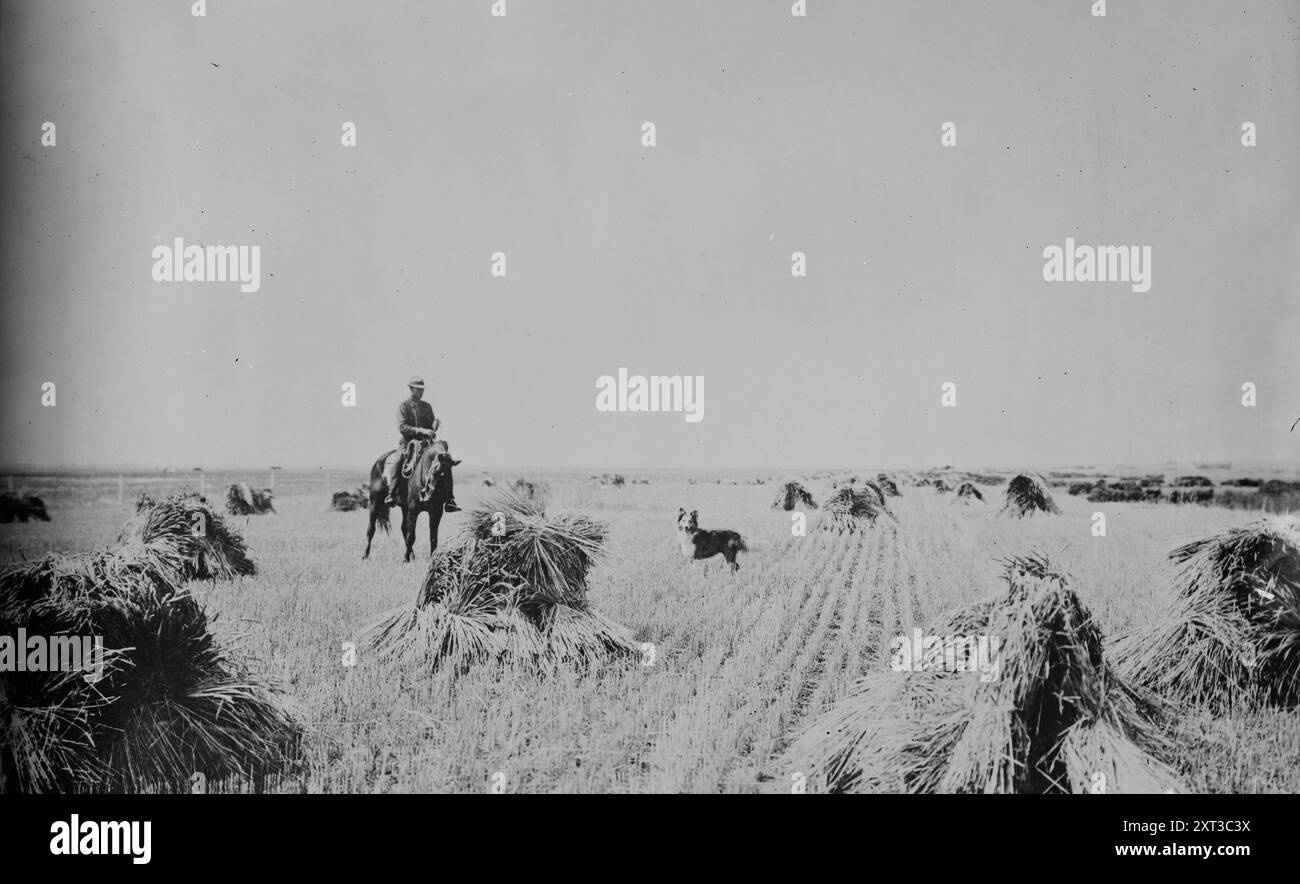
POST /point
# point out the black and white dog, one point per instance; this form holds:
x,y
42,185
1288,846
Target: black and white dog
x,y
696,543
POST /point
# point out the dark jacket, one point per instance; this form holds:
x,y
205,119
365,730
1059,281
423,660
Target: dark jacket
x,y
411,414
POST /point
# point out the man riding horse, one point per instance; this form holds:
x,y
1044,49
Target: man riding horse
x,y
415,423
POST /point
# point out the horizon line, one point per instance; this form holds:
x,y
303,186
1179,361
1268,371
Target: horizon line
x,y
109,468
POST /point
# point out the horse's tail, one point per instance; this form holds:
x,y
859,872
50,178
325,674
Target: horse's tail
x,y
381,510
379,493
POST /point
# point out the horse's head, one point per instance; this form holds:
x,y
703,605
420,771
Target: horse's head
x,y
435,468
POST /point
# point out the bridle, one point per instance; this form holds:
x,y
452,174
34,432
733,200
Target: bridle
x,y
434,450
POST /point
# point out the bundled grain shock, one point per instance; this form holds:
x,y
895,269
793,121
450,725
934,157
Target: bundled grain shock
x,y
1055,717
791,496
242,500
200,540
536,492
1120,492
1192,495
1027,496
347,501
942,487
170,700
513,585
851,508
1231,638
888,485
28,506
968,492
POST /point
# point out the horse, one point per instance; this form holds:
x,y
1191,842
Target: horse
x,y
425,490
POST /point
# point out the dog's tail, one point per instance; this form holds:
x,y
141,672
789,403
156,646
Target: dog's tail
x,y
740,544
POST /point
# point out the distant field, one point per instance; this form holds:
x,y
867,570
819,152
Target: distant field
x,y
743,664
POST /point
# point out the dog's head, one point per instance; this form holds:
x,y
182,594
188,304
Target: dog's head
x,y
688,522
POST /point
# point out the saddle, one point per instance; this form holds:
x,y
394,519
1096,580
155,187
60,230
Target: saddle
x,y
412,453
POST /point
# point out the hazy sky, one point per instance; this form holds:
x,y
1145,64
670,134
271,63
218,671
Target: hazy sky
x,y
775,134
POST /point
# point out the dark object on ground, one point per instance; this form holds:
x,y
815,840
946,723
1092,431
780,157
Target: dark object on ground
x,y
1026,496
29,506
1120,492
538,491
347,501
793,495
1191,495
242,500
986,479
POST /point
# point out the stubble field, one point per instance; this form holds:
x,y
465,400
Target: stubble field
x,y
740,665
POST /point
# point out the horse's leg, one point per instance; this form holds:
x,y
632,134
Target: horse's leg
x,y
412,519
435,516
370,533
408,531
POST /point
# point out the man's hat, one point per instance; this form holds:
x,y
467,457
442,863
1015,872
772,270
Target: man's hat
x,y
416,382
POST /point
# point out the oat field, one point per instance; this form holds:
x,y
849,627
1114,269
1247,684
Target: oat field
x,y
740,664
